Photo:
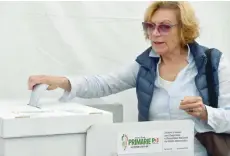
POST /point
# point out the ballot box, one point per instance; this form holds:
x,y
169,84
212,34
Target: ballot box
x,y
55,129
155,138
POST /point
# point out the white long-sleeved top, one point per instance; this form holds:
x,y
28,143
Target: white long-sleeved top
x,y
167,95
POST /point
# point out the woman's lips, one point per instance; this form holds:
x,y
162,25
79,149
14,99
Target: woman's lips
x,y
158,43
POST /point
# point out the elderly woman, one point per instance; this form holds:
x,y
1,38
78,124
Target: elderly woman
x,y
169,76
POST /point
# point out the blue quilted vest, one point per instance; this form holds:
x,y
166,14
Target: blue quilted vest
x,y
147,74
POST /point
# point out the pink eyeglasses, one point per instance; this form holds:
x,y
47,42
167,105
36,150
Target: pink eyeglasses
x,y
163,29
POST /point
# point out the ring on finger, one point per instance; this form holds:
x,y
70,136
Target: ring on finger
x,y
191,110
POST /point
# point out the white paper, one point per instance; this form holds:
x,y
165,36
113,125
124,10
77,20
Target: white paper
x,y
47,113
154,142
36,93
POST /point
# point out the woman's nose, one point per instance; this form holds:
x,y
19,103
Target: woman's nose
x,y
155,32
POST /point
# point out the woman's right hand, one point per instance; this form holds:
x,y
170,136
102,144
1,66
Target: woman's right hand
x,y
53,82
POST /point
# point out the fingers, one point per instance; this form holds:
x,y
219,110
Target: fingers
x,y
35,80
52,87
187,106
31,83
52,81
196,112
191,99
193,106
191,102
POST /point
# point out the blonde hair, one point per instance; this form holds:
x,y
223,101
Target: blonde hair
x,y
186,17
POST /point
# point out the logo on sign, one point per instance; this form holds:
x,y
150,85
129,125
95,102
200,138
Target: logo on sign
x,y
138,142
125,140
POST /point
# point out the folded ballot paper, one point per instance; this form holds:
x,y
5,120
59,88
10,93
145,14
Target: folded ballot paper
x,y
37,92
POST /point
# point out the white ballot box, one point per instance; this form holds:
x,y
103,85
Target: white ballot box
x,y
57,129
156,138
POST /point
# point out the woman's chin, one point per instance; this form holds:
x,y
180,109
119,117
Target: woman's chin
x,y
160,51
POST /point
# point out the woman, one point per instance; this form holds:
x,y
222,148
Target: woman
x,y
169,76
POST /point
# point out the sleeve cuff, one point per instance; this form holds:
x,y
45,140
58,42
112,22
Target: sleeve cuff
x,y
69,95
211,117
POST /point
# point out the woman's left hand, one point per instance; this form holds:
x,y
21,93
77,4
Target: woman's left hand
x,y
194,106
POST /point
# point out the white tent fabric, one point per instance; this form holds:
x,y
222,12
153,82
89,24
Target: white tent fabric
x,y
82,37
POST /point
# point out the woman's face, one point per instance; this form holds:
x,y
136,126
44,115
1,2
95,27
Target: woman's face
x,y
163,31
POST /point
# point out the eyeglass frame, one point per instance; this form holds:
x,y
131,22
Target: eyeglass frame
x,y
157,27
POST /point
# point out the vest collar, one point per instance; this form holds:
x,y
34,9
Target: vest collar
x,y
198,52
189,57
